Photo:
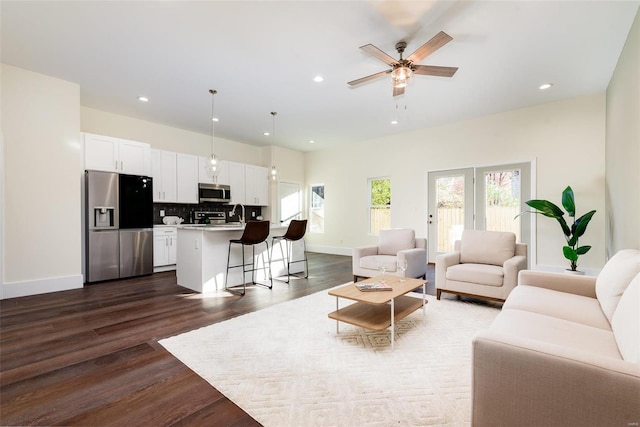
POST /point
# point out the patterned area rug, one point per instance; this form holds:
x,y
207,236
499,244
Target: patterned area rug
x,y
286,366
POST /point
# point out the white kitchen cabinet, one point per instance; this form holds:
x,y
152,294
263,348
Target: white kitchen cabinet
x,y
222,173
105,153
187,178
237,182
256,185
165,245
163,171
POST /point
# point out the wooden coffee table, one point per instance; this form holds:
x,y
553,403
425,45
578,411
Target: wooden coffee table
x,y
378,310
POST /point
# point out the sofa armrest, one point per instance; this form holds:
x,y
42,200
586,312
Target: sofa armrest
x,y
416,261
444,261
523,382
579,285
362,252
511,268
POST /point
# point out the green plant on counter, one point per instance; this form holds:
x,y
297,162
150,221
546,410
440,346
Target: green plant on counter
x,y
572,233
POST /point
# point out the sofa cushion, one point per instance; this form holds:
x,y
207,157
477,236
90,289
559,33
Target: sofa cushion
x,y
626,322
483,274
562,305
372,262
487,247
614,278
560,332
396,239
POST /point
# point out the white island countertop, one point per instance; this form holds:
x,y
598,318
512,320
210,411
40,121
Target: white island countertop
x,y
202,256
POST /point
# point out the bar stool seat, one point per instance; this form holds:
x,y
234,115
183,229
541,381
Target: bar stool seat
x,y
255,233
295,232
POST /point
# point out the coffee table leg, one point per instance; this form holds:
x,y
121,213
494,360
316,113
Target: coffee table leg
x,y
424,296
337,322
393,329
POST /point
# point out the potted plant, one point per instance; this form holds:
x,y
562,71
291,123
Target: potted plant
x,y
571,233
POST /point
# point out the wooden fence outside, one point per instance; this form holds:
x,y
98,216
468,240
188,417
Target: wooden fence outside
x,y
451,224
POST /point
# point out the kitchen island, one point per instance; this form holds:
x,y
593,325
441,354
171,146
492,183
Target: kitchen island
x,y
201,263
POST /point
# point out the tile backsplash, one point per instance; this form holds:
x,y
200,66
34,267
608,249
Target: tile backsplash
x,y
185,211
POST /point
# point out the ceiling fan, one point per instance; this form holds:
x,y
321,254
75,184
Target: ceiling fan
x,y
403,69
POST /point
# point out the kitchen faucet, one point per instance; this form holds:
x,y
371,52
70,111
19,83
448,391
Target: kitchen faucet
x,y
233,212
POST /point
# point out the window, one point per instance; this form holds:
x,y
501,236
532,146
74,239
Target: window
x,y
379,204
316,209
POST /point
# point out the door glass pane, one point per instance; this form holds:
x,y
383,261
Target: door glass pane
x,y
316,211
290,201
502,201
450,211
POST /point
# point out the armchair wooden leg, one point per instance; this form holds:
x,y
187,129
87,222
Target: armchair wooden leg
x,y
438,291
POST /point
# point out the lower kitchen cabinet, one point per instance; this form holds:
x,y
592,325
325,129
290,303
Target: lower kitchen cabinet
x,y
165,245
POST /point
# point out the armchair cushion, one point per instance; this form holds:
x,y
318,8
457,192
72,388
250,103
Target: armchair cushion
x,y
486,247
626,322
615,277
371,262
391,241
483,274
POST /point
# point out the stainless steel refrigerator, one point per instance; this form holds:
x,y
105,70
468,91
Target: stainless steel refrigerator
x,y
119,225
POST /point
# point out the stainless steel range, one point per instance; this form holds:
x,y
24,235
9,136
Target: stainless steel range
x,y
206,217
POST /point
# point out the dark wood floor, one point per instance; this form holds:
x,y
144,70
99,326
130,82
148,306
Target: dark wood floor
x,y
91,356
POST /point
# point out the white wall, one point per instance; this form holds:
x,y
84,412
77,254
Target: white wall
x,y
623,148
42,160
167,137
567,140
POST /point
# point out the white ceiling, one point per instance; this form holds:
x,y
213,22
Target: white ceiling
x,y
261,56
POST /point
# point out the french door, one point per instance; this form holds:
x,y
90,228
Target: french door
x,y
486,198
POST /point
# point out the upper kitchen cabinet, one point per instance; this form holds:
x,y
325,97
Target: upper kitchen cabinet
x,y
163,171
187,178
105,153
256,185
237,182
222,172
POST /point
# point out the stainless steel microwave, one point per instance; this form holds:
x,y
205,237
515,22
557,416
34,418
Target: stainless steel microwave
x,y
214,193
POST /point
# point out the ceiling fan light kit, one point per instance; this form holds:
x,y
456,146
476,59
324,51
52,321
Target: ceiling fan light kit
x,y
402,70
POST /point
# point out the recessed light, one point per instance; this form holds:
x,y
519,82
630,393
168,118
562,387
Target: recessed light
x,y
394,122
312,142
266,134
318,79
143,99
545,86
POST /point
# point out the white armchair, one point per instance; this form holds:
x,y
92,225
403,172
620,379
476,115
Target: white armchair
x,y
393,244
484,264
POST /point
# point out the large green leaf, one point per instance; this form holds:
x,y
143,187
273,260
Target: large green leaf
x,y
573,241
569,253
565,227
583,250
568,201
546,208
582,222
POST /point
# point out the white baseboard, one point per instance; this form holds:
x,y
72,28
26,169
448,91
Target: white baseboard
x,y
162,268
41,286
333,250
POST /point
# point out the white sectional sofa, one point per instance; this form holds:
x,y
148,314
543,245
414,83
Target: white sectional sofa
x,y
564,351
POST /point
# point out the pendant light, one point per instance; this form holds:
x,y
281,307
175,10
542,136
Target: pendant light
x,y
274,170
213,159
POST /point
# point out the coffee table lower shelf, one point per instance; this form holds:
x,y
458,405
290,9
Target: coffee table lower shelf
x,y
376,317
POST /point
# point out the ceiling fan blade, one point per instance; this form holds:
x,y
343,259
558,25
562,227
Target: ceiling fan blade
x,y
434,70
375,52
398,91
429,47
366,79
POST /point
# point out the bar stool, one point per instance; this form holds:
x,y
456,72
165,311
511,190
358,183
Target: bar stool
x,y
255,232
295,232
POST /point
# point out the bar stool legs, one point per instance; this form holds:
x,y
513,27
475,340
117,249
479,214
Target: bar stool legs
x,y
289,256
255,232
